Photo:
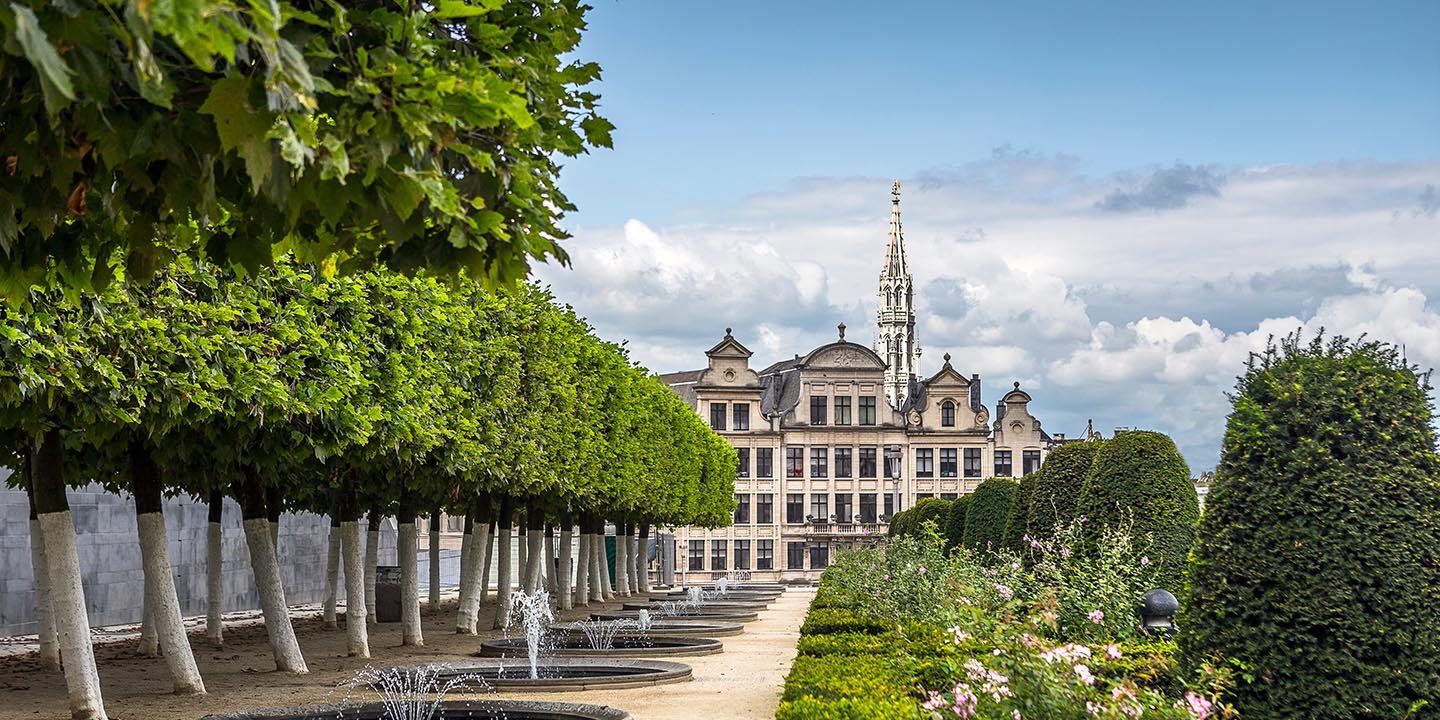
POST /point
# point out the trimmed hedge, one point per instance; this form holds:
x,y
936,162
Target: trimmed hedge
x,y
1139,479
989,508
1058,486
1317,569
852,667
1017,525
955,521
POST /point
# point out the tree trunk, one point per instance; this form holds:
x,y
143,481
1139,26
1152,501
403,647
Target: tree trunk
x,y
622,559
434,551
215,571
67,595
44,614
464,617
478,565
149,640
582,564
502,583
332,570
372,560
642,559
522,554
352,556
534,551
562,569
607,585
265,566
409,574
161,603
491,530
552,580
274,505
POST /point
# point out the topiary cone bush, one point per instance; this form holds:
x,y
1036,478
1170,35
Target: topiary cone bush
x,y
1141,480
927,509
1317,570
1017,524
1058,486
989,508
955,522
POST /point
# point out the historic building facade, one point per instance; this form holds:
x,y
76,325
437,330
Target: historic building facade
x,y
834,442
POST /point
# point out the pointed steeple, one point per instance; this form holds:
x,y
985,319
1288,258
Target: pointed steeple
x,y
895,265
895,316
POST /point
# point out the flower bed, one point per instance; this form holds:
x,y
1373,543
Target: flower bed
x,y
909,631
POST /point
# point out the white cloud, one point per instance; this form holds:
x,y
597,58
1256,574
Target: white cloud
x,y
1137,318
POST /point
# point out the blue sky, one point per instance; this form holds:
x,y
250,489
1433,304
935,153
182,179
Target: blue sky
x,y
715,101
1111,203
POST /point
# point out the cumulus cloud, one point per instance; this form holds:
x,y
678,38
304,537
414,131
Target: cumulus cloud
x,y
1127,318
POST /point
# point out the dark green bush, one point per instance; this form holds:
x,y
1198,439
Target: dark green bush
x,y
989,508
1017,525
845,643
828,621
809,708
1140,480
955,521
1317,570
1150,664
1058,486
928,509
900,524
838,676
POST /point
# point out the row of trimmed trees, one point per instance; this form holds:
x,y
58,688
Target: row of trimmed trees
x,y
293,390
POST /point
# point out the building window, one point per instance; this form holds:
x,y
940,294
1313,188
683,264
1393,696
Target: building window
x,y
717,416
948,462
742,509
844,507
794,461
697,554
795,508
818,404
925,462
867,507
867,462
949,496
889,506
842,462
819,462
765,462
923,496
842,410
972,462
742,554
764,509
1004,466
1032,460
764,554
795,555
947,414
820,507
717,554
867,410
740,416
819,555
743,466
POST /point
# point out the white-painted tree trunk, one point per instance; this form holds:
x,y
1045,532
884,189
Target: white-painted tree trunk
x,y
502,581
522,560
214,585
67,598
266,569
642,565
434,552
357,639
372,561
475,584
275,538
44,611
552,573
149,642
622,562
582,569
488,548
163,605
332,577
562,571
465,610
534,557
409,587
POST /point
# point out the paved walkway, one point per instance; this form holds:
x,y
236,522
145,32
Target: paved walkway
x,y
744,682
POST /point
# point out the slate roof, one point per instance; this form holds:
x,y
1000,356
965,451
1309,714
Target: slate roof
x,y
779,391
683,383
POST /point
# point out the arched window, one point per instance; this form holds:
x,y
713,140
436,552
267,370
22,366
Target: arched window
x,y
947,414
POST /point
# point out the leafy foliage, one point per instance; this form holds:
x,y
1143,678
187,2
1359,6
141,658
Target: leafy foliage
x,y
1319,550
1140,481
1017,528
955,521
1058,486
427,135
989,509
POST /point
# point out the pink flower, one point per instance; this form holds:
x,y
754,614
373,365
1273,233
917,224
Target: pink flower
x,y
1083,672
1112,651
1198,705
922,569
1097,616
1065,552
1005,592
1144,560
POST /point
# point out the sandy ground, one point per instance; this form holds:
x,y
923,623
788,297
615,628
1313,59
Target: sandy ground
x,y
744,681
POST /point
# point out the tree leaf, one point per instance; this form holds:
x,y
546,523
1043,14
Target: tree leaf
x,y
54,73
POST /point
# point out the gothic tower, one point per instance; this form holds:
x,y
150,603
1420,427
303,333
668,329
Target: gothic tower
x,y
895,319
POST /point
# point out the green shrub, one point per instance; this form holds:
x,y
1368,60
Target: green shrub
x,y
1058,486
829,621
1150,664
928,509
955,522
1017,524
1317,570
989,508
838,676
1140,480
900,524
845,643
809,708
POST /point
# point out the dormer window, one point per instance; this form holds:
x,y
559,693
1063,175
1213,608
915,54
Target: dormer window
x,y
947,414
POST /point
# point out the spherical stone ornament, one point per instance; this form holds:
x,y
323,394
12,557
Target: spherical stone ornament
x,y
1160,603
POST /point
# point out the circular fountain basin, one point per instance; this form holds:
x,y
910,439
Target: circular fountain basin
x,y
669,628
571,674
447,710
655,606
728,597
739,615
680,594
577,645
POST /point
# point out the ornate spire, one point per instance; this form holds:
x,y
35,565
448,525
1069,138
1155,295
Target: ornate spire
x,y
895,265
895,316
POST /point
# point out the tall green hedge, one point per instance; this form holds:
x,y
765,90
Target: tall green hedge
x,y
1017,525
929,509
1318,563
1058,486
1140,479
989,508
955,522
